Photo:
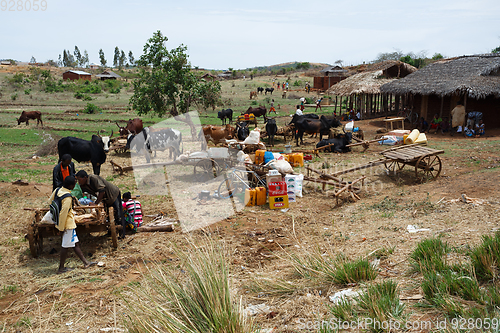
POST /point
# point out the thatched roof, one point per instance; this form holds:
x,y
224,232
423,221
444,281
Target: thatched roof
x,y
478,76
362,83
108,75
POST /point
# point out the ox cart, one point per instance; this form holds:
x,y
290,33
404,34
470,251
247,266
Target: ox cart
x,y
425,160
96,221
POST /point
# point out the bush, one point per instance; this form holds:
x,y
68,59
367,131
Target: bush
x,y
13,96
91,109
27,91
52,86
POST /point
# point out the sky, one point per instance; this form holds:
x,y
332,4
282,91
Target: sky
x,y
222,34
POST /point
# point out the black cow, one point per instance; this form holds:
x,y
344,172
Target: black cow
x,y
270,90
339,143
242,130
149,141
260,90
306,124
225,114
84,151
271,130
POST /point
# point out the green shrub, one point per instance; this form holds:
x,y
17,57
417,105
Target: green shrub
x,y
13,96
53,86
91,108
27,91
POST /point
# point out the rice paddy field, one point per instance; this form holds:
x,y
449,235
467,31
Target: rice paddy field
x,y
258,270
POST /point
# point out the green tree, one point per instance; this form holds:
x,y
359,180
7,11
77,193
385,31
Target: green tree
x,y
437,56
33,60
116,58
78,56
496,50
85,59
102,58
122,60
130,58
166,84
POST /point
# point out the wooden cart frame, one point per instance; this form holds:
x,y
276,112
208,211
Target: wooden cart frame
x,y
425,160
37,230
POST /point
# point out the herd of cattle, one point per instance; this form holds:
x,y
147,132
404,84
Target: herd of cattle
x,y
147,140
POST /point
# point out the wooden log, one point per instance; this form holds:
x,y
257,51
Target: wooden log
x,y
167,228
348,186
362,142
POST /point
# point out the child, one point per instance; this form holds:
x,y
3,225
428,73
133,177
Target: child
x,y
272,109
445,125
479,128
67,226
133,207
422,125
318,104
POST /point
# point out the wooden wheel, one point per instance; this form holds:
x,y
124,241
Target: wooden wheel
x,y
206,170
393,166
428,168
32,241
112,228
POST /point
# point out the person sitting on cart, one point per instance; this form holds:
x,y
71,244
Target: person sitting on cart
x,y
62,170
133,208
67,226
105,192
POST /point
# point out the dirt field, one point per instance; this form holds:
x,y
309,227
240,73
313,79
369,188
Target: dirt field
x,y
34,298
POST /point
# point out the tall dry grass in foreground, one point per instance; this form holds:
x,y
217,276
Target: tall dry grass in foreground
x,y
193,296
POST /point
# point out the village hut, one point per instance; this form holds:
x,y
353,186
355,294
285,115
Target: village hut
x,y
362,90
76,75
436,88
108,75
331,76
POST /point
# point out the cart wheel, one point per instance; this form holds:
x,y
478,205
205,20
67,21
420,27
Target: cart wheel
x,y
393,167
206,169
112,228
32,241
428,168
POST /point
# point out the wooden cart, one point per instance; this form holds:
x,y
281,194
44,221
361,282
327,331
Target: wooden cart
x,y
38,230
425,160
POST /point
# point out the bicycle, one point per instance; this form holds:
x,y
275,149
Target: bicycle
x,y
238,180
409,115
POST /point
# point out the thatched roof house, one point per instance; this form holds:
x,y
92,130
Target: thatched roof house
x,y
436,88
365,87
362,83
108,75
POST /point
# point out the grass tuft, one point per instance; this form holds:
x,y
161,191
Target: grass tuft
x,y
428,256
485,258
192,297
339,270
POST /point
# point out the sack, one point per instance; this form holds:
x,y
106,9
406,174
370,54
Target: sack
x,y
459,130
56,205
47,218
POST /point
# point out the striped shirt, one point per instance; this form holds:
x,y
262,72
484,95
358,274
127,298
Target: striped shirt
x,y
136,213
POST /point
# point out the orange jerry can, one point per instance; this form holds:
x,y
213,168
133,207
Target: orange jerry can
x,y
297,159
259,156
250,197
260,196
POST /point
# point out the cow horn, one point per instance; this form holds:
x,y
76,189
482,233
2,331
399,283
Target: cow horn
x,y
111,133
98,134
118,125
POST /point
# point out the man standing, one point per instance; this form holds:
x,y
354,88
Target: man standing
x,y
105,192
457,117
62,170
67,225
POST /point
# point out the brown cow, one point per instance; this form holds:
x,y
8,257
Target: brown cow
x,y
253,94
26,116
217,134
260,111
134,126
